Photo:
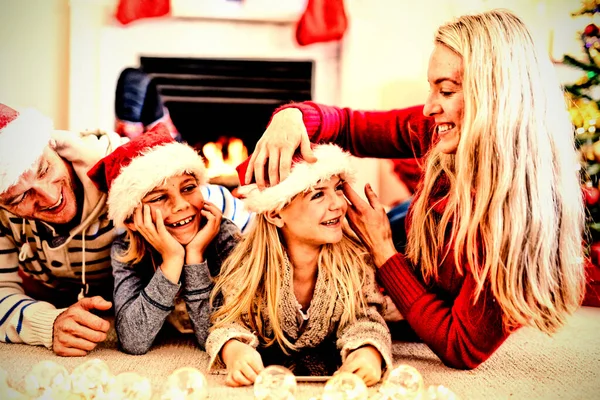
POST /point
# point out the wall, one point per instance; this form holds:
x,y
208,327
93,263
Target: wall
x,y
384,53
392,37
34,56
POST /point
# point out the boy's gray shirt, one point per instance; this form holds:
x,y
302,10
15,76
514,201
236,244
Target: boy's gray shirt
x,y
143,297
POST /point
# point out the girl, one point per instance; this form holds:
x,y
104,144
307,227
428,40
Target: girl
x,y
299,280
174,243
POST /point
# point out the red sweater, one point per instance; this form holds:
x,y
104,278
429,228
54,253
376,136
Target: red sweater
x,y
460,333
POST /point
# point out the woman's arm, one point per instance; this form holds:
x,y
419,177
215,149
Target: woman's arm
x,y
400,133
460,333
141,305
403,133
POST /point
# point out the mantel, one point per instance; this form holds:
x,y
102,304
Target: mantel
x,y
259,11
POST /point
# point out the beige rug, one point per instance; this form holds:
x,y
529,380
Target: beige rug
x,y
530,365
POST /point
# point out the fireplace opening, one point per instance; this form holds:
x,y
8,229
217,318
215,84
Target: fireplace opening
x,y
215,100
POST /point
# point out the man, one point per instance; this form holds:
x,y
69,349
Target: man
x,y
55,237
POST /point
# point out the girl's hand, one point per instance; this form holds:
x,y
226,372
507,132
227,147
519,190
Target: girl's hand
x,y
194,251
243,363
157,236
364,362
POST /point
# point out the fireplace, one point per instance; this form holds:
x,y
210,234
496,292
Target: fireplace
x,y
211,100
100,49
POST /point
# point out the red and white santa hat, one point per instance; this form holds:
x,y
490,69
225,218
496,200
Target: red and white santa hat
x,y
331,161
24,135
133,169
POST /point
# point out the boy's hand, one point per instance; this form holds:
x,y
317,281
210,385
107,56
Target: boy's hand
x,y
243,363
194,251
364,362
156,234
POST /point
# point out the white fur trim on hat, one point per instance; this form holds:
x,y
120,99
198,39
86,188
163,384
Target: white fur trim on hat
x,y
22,143
331,160
147,171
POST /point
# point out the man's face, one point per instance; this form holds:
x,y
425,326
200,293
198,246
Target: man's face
x,y
46,192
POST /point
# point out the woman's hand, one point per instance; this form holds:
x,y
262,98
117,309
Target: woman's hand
x,y
156,234
243,363
371,224
391,311
283,136
364,362
194,250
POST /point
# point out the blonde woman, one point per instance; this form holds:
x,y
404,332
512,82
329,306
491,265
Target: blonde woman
x,y
299,282
495,230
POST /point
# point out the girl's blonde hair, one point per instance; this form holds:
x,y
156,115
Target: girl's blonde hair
x,y
514,210
252,276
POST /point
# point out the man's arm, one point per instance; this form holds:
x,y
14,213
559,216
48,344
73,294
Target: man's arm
x,y
22,319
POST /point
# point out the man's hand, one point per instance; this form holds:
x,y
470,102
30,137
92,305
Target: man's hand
x,y
194,250
283,136
370,222
364,362
243,362
77,331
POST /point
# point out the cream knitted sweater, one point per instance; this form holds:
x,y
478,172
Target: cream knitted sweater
x,y
323,322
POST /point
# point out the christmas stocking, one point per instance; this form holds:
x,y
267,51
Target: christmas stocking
x,y
322,21
130,10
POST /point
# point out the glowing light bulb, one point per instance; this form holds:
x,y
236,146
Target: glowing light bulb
x,y
275,383
130,386
403,382
91,380
440,392
185,384
345,386
47,379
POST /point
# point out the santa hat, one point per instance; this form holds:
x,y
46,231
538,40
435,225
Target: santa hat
x,y
133,169
24,135
331,160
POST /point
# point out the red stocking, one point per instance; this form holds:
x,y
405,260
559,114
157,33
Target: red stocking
x,y
130,10
322,21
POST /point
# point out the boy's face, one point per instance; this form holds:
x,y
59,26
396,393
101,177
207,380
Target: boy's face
x,y
180,201
46,192
315,218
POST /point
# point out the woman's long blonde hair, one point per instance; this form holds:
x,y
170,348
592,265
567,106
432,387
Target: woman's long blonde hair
x,y
514,210
251,280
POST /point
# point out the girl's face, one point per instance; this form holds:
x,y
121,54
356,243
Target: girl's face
x,y
180,201
315,218
445,102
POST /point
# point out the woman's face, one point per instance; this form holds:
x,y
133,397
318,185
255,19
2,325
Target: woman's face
x,y
180,201
315,217
445,102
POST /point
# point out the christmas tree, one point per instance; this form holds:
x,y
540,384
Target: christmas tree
x,y
583,98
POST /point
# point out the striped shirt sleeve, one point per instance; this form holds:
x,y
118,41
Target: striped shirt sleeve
x,y
231,207
22,319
